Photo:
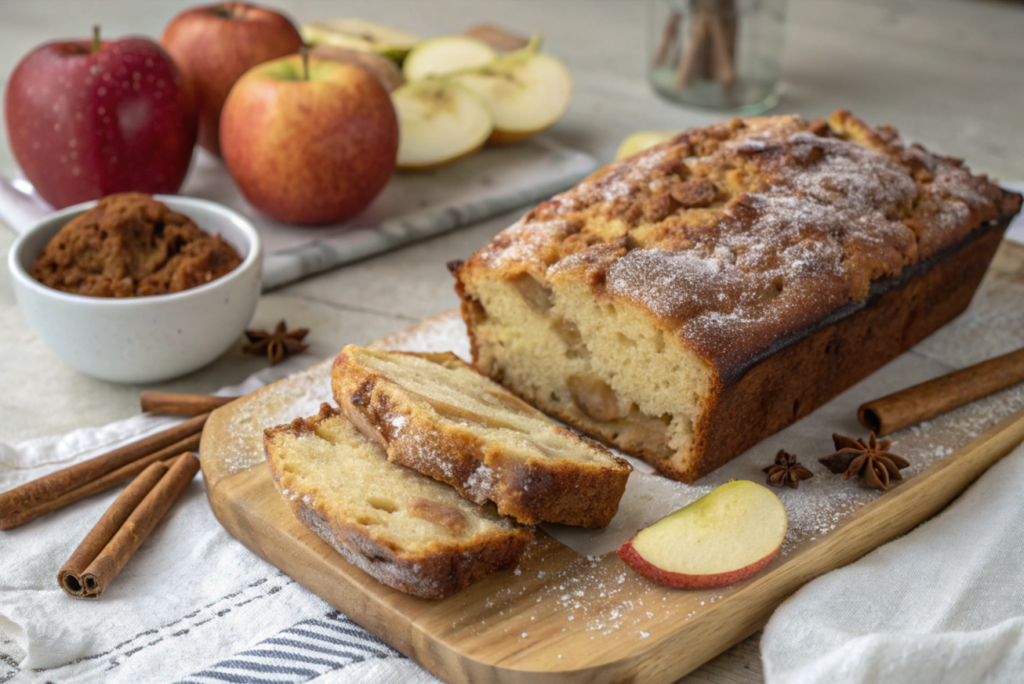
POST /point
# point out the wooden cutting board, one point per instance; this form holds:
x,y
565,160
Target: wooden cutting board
x,y
561,617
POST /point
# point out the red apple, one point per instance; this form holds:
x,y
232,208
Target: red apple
x,y
214,45
719,539
87,119
309,146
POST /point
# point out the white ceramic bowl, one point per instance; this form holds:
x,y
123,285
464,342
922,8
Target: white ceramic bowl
x,y
143,339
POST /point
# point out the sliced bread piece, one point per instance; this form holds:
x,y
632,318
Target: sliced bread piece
x,y
406,530
434,413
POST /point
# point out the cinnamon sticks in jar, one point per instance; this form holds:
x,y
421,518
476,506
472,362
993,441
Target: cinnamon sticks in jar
x,y
929,399
708,50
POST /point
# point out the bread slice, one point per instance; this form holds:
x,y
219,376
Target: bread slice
x,y
434,413
405,530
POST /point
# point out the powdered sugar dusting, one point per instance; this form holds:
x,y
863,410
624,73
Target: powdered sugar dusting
x,y
480,485
299,395
446,332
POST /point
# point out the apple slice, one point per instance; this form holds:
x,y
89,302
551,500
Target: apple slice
x,y
526,91
719,539
359,34
642,140
446,54
438,122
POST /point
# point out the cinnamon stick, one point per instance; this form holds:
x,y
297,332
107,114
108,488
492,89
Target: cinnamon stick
x,y
127,537
711,46
70,575
724,69
178,404
33,495
669,37
112,478
935,397
693,63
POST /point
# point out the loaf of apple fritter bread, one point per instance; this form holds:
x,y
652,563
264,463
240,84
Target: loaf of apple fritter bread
x,y
687,302
434,413
406,530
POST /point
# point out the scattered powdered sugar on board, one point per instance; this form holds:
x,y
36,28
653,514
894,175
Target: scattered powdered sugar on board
x,y
297,396
446,332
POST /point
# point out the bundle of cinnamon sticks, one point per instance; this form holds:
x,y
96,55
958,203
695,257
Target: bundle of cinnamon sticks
x,y
709,51
126,524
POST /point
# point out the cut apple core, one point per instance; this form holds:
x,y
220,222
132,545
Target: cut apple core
x,y
717,540
524,93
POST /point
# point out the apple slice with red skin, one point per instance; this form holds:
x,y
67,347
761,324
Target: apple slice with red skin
x,y
720,539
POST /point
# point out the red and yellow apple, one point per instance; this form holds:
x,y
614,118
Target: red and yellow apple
x,y
214,45
87,119
721,538
312,145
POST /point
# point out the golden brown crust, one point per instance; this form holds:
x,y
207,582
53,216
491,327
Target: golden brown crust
x,y
440,571
430,438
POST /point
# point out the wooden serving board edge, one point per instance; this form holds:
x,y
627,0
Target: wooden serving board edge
x,y
404,622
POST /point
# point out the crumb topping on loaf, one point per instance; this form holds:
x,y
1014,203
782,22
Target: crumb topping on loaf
x,y
738,234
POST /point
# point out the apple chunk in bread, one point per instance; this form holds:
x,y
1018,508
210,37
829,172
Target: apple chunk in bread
x,y
719,539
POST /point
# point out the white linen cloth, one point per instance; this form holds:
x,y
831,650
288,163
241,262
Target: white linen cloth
x,y
192,605
413,206
943,604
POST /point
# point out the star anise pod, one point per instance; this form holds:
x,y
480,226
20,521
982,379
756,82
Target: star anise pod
x,y
786,471
871,460
276,345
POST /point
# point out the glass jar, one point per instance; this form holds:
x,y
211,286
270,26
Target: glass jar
x,y
717,54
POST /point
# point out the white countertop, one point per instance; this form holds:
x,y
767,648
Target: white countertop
x,y
947,74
